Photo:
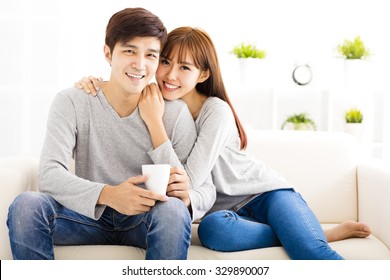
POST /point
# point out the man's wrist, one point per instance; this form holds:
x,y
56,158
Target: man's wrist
x,y
104,198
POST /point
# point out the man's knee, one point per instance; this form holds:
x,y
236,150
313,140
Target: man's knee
x,y
25,202
25,206
172,213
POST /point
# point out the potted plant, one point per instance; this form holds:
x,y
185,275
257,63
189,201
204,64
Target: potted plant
x,y
355,54
353,49
354,123
299,121
251,64
353,115
244,50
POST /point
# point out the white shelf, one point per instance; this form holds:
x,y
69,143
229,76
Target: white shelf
x,y
268,108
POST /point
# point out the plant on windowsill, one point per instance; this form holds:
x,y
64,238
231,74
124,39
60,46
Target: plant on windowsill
x,y
251,63
356,67
353,115
354,123
299,121
244,50
353,49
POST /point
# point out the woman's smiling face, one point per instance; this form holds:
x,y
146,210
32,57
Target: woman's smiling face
x,y
177,78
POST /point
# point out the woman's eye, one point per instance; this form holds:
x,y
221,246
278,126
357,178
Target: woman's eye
x,y
185,68
164,61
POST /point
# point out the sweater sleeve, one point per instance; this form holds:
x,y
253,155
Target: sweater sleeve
x,y
216,125
202,198
175,152
73,192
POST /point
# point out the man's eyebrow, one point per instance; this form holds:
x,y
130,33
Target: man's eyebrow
x,y
124,45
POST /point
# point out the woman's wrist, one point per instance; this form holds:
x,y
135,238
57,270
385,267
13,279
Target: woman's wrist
x,y
157,133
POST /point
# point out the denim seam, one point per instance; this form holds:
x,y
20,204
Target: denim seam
x,y
314,233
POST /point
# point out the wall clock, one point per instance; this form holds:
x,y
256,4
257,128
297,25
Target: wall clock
x,y
302,74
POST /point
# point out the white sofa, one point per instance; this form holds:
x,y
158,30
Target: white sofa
x,y
323,166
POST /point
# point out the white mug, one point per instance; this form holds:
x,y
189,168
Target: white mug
x,y
158,177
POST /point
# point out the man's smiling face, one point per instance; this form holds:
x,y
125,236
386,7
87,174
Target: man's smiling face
x,y
133,63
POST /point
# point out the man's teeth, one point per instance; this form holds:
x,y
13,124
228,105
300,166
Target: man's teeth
x,y
171,86
135,76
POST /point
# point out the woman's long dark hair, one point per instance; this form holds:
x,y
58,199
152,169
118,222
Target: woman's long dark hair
x,y
201,47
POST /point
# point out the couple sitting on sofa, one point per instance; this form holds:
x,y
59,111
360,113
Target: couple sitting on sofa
x,y
128,124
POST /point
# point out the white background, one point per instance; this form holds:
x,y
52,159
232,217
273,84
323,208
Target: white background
x,y
47,45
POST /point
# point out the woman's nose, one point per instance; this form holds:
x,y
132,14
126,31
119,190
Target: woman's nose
x,y
171,74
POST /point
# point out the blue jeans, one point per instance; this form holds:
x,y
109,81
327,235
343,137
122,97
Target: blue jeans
x,y
275,218
36,221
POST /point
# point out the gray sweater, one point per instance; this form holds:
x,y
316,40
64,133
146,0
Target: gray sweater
x,y
237,175
108,149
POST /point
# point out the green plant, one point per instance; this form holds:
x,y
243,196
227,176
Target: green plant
x,y
353,116
248,51
300,121
353,49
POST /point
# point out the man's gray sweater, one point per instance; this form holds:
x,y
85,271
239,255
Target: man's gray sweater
x,y
108,149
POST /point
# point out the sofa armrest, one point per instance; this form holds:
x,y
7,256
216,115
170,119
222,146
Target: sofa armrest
x,y
17,174
373,179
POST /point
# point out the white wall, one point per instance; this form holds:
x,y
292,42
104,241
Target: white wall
x,y
47,45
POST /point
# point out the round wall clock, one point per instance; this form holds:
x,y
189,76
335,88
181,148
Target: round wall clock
x,y
302,74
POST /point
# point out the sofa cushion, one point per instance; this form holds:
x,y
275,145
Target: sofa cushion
x,y
356,248
320,165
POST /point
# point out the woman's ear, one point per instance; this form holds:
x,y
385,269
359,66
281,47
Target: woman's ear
x,y
107,54
204,76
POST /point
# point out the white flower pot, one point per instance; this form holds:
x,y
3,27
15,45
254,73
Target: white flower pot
x,y
297,126
253,72
355,129
357,73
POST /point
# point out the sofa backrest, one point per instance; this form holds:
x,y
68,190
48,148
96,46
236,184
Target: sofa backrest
x,y
320,165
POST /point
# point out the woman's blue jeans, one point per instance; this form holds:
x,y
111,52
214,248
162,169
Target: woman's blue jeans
x,y
275,218
36,221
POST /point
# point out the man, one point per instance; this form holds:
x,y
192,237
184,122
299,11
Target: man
x,y
102,203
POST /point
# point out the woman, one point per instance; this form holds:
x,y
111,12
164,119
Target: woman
x,y
255,206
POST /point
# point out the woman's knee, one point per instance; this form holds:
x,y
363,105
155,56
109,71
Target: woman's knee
x,y
214,227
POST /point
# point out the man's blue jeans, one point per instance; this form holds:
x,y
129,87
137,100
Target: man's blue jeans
x,y
275,218
36,221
